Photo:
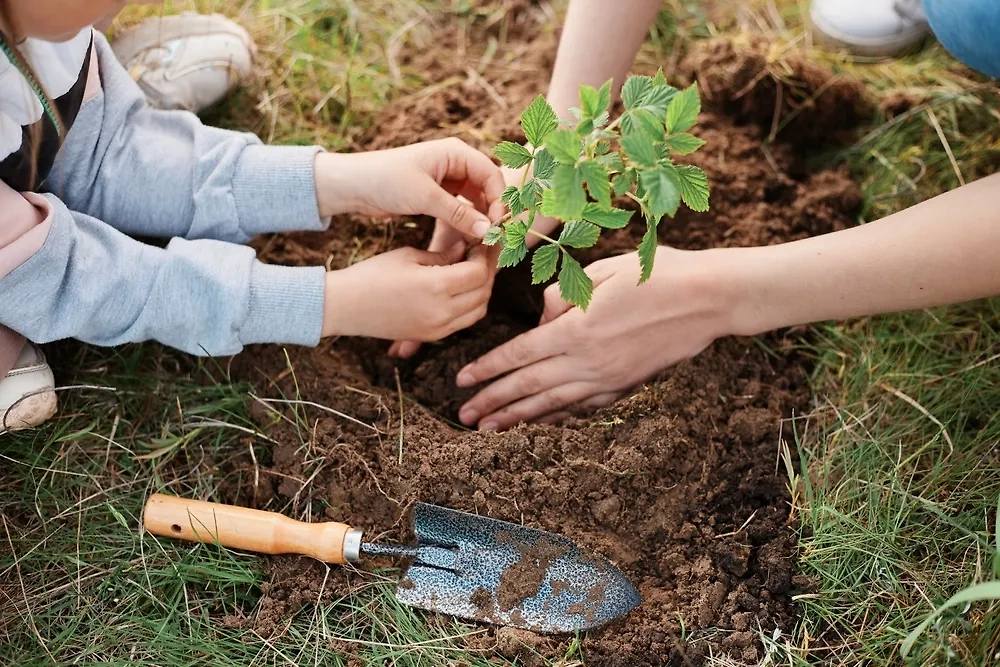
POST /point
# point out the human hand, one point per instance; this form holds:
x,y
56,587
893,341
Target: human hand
x,y
629,333
409,293
446,235
421,179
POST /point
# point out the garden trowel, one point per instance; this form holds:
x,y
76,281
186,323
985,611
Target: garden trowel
x,y
463,565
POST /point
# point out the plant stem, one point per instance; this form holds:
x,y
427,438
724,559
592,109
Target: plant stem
x,y
543,236
524,174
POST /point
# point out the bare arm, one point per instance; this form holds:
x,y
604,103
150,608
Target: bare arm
x,y
942,251
597,45
939,252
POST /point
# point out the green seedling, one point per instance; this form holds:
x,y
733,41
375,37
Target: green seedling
x,y
572,173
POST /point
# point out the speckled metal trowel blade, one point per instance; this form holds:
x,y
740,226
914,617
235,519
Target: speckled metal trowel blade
x,y
497,572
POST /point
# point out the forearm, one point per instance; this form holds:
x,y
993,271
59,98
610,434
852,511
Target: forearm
x,y
598,44
939,252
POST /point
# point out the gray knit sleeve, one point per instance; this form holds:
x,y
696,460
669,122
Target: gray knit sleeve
x,y
91,282
165,174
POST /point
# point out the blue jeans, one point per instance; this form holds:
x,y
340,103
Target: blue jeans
x,y
969,29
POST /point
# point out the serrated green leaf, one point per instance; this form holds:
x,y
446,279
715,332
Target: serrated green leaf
x,y
621,184
595,103
515,233
512,256
565,146
662,188
494,235
604,98
512,197
575,286
612,162
597,177
579,234
635,90
684,143
538,120
585,127
640,149
645,122
659,80
658,99
565,199
545,165
614,218
513,156
544,263
682,113
530,194
693,183
549,206
647,253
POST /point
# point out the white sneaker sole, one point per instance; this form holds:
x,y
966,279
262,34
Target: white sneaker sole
x,y
881,47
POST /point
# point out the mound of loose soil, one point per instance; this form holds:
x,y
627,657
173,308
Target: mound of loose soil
x,y
752,79
677,484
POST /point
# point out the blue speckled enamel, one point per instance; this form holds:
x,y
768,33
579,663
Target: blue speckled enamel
x,y
460,553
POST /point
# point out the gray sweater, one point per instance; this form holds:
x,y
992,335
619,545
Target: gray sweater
x,y
126,169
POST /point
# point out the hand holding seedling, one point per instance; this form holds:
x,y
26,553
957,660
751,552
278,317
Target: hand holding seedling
x,y
421,179
409,293
578,358
630,156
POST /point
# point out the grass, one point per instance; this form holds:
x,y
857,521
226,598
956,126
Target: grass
x,y
897,491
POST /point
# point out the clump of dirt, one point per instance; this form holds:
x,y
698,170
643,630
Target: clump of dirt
x,y
675,484
523,580
753,79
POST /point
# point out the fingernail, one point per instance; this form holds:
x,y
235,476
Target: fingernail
x,y
465,379
480,228
488,426
468,416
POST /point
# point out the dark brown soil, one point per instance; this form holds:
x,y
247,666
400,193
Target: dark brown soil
x,y
752,79
677,484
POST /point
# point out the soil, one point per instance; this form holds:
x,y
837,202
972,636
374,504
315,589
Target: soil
x,y
522,580
676,484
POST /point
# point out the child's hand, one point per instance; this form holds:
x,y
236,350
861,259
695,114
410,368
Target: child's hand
x,y
422,179
409,294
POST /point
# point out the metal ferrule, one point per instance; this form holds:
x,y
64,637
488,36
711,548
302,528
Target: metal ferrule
x,y
352,545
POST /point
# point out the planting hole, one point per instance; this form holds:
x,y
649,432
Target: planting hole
x,y
176,528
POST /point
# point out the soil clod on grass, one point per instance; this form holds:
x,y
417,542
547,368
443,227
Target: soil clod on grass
x,y
676,484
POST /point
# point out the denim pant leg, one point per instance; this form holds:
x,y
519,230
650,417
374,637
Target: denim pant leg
x,y
969,29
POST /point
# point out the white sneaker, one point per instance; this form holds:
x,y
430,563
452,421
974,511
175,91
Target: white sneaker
x,y
186,61
874,28
27,393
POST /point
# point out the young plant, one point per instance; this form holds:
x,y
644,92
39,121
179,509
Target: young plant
x,y
630,156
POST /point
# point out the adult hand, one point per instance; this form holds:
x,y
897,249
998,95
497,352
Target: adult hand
x,y
629,333
436,178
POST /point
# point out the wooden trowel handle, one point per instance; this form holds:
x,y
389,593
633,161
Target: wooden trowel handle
x,y
250,530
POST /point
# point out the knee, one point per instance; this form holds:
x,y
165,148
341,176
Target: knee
x,y
968,30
